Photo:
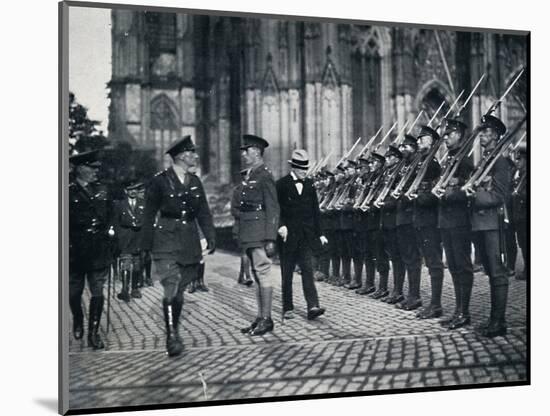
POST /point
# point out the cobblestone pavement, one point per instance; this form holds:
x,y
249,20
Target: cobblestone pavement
x,y
360,344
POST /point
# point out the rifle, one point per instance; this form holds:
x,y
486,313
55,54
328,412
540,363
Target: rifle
x,y
450,169
488,161
364,149
388,184
344,157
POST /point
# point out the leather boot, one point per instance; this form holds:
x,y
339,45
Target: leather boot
x,y
457,286
96,307
78,316
346,271
335,278
200,281
254,324
264,326
174,346
355,282
136,281
497,326
124,293
266,323
177,307
192,286
434,309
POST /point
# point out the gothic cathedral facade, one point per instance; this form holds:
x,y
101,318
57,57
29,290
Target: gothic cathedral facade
x,y
313,85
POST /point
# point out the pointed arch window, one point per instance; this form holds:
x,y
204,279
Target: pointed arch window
x,y
164,126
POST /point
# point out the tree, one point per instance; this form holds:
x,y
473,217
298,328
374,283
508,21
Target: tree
x,y
83,132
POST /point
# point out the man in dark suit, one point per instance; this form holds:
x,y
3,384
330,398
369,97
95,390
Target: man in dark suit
x,y
300,233
90,246
179,199
488,204
258,221
127,222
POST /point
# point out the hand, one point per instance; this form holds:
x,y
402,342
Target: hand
x,y
323,240
283,232
270,249
211,246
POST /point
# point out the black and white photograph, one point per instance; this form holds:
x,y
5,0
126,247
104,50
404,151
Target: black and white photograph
x,y
275,207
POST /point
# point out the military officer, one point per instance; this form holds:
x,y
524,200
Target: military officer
x,y
487,205
258,223
127,221
244,272
90,245
178,197
455,228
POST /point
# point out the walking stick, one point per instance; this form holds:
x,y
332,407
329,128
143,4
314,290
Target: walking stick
x,y
109,296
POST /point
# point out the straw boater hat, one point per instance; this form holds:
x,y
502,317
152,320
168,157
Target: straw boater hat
x,y
299,159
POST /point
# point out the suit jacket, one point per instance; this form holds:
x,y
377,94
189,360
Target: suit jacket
x,y
179,207
490,198
258,219
127,222
90,217
299,213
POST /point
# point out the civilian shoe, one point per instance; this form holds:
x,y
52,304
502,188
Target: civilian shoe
x,y
315,312
288,315
264,326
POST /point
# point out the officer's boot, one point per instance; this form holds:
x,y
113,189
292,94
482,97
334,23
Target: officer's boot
x,y
148,279
463,319
136,280
497,325
434,309
124,293
192,286
355,282
398,282
266,324
246,264
200,281
96,307
457,285
78,316
174,346
259,300
177,306
382,291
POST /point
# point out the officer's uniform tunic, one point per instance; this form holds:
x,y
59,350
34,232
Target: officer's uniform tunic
x,y
258,220
174,240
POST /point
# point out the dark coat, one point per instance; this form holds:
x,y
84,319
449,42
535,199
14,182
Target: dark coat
x,y
453,207
127,223
491,197
426,204
405,207
299,213
90,217
179,207
257,226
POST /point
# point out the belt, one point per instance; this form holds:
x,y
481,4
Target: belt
x,y
180,217
248,207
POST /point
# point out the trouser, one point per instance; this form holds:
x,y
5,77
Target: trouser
x,y
301,254
392,249
376,257
511,246
410,253
359,250
496,270
457,242
521,231
336,249
476,240
347,252
174,277
429,241
261,266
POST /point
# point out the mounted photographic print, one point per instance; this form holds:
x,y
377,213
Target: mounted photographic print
x,y
261,207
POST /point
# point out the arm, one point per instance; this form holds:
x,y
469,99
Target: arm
x,y
272,210
204,217
153,199
495,194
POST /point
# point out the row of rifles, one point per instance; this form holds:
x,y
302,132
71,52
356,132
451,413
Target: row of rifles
x,y
364,190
